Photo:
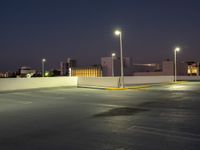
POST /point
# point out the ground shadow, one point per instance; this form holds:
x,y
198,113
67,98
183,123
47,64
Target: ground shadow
x,y
122,111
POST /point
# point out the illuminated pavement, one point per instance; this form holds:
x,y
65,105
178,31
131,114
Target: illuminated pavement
x,y
159,117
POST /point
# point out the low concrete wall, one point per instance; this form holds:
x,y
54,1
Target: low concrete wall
x,y
148,73
98,81
147,79
33,83
114,81
188,78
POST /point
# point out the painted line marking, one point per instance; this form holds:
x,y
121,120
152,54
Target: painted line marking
x,y
116,89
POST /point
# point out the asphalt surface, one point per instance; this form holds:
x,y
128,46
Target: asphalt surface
x,y
157,117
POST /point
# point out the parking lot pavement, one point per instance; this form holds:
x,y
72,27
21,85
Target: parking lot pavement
x,y
157,117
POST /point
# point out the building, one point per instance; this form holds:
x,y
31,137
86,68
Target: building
x,y
65,66
111,66
92,71
190,68
71,63
26,72
108,62
193,69
7,74
152,67
167,68
62,68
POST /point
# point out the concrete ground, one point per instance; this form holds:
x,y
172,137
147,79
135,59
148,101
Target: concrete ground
x,y
158,117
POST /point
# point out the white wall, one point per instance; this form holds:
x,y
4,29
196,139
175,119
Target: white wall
x,y
10,84
98,81
188,78
114,81
33,83
147,79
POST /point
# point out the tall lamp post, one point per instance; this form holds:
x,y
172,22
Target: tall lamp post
x,y
113,72
177,49
43,70
198,68
119,33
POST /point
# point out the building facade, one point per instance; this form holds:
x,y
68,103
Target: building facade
x,y
92,71
188,68
112,66
65,66
26,72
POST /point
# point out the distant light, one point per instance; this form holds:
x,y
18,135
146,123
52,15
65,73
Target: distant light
x,y
28,75
43,60
151,65
117,32
177,49
113,54
146,65
46,74
70,72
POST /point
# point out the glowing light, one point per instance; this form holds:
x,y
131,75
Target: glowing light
x,y
28,75
43,60
177,49
46,74
70,72
113,54
192,70
117,32
86,72
177,87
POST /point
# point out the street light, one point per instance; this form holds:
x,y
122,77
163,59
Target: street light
x,y
113,55
43,70
177,49
119,33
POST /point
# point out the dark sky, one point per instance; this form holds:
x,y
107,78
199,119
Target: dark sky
x,y
83,30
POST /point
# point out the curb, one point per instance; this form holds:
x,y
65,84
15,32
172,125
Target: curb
x,y
116,89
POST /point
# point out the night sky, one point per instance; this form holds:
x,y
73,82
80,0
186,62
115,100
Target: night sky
x,y
83,30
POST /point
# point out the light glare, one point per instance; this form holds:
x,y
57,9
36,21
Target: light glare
x,y
117,32
46,74
113,54
177,49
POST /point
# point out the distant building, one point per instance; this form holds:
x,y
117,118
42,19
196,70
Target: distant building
x,y
187,68
62,68
151,67
167,67
54,72
7,74
106,63
71,63
65,66
155,70
193,68
2,75
92,71
190,68
26,72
